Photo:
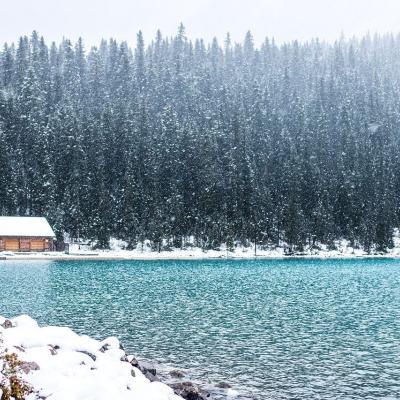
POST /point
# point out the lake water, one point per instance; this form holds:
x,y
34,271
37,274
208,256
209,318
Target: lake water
x,y
273,329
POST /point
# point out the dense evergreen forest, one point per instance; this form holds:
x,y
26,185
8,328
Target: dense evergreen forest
x,y
220,142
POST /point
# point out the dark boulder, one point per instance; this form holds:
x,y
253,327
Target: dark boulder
x,y
223,385
147,367
134,362
7,324
176,373
104,348
151,377
189,391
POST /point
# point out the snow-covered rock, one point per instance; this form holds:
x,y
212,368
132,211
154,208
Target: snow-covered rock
x,y
66,366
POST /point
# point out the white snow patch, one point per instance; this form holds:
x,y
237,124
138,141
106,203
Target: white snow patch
x,y
70,374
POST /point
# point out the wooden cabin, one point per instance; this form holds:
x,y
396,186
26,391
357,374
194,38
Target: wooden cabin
x,y
26,234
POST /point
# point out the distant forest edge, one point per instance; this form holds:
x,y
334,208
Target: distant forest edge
x,y
220,142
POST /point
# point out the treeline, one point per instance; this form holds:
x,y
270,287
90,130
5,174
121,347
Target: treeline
x,y
222,142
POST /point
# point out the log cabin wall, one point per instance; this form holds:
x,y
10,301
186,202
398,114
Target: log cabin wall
x,y
26,244
11,244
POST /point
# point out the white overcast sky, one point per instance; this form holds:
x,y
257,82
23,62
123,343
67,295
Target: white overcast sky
x,y
285,20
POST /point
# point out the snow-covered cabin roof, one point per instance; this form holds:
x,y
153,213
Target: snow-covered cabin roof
x,y
25,227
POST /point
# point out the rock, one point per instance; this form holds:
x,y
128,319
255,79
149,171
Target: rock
x,y
29,366
189,391
104,348
7,324
151,377
133,362
92,356
176,373
20,348
223,385
147,367
52,350
107,346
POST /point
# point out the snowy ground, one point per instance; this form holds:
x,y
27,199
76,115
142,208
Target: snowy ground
x,y
73,367
117,251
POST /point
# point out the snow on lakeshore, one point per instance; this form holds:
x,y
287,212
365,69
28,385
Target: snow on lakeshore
x,y
342,249
74,367
117,250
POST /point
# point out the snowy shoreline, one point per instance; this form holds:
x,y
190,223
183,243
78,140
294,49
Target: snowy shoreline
x,y
57,362
102,257
118,251
188,255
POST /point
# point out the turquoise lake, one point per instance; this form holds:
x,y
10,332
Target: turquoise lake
x,y
273,329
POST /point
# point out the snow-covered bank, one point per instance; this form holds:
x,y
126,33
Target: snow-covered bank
x,y
61,364
118,251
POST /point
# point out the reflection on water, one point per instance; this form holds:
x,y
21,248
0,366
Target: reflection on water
x,y
279,329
